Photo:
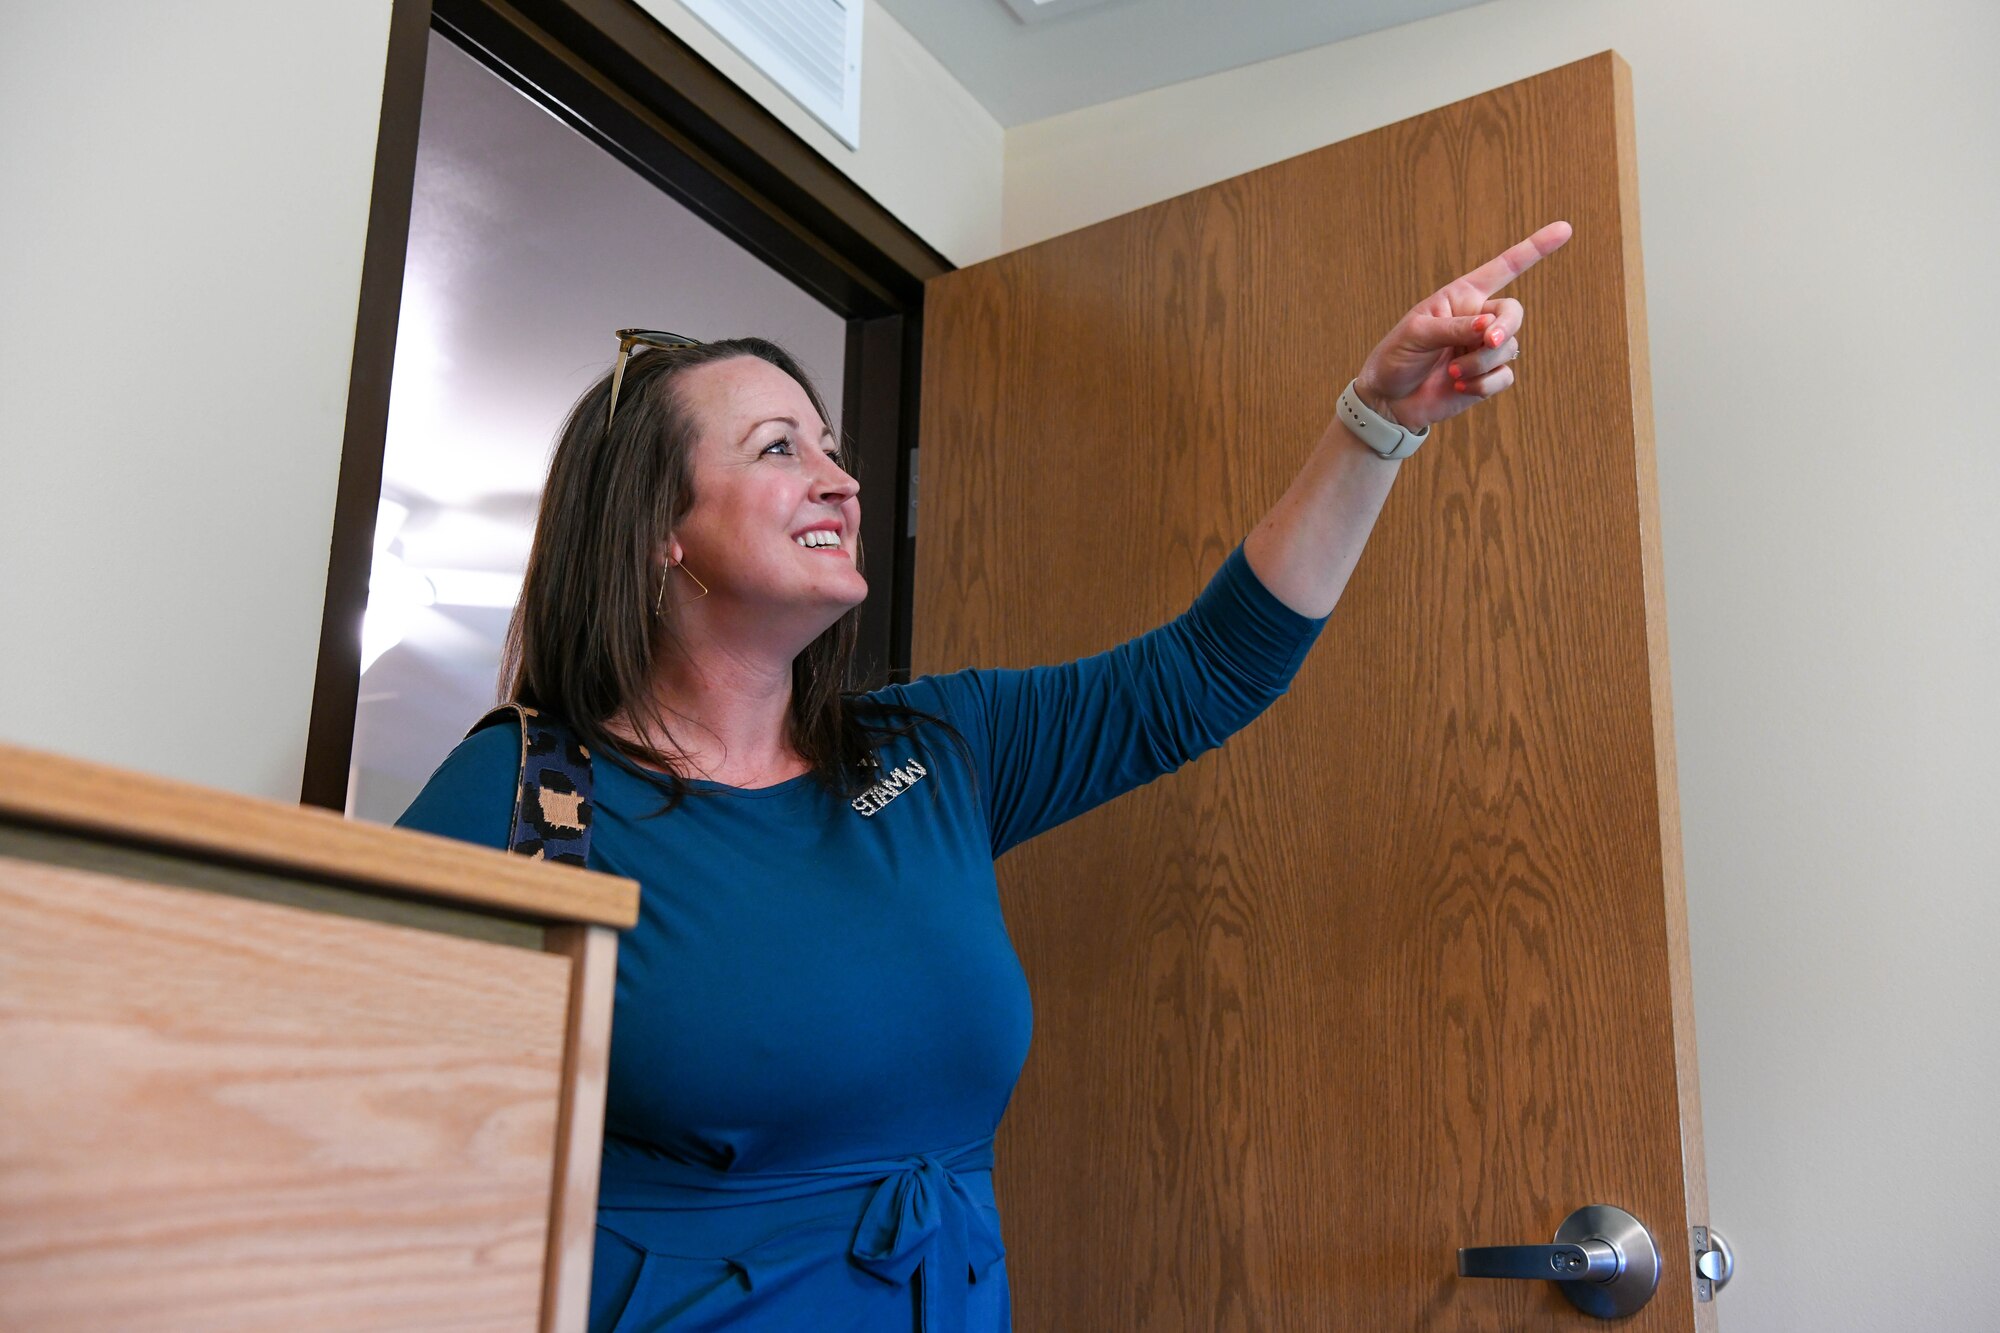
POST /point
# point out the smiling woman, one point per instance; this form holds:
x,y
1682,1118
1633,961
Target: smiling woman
x,y
820,1018
642,608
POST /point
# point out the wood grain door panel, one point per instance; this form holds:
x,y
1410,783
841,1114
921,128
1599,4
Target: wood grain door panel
x,y
1403,967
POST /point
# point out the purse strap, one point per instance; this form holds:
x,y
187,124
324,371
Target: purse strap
x,y
552,795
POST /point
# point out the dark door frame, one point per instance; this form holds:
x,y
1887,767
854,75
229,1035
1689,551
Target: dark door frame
x,y
611,71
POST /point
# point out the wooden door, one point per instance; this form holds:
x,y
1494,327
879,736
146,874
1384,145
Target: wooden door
x,y
1403,967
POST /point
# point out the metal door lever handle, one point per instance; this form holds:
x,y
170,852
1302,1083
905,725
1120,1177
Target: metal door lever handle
x,y
1586,1261
1603,1260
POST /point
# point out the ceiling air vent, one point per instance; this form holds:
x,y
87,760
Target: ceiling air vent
x,y
809,48
1034,11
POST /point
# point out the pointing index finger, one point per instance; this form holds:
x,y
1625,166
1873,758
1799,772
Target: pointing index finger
x,y
1517,259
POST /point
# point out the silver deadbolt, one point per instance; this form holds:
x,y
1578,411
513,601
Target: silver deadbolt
x,y
1603,1259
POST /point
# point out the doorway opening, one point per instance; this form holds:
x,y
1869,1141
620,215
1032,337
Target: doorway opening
x,y
528,246
564,170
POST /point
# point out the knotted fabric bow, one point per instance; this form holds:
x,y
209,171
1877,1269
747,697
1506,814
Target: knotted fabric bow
x,y
919,1216
924,1216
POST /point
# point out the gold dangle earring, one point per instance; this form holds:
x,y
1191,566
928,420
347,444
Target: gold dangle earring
x,y
660,601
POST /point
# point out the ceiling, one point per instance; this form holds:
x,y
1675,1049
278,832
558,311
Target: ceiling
x,y
1113,48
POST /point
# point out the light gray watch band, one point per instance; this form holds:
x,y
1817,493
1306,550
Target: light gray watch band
x,y
1381,433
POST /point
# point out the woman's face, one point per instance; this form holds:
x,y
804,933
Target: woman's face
x,y
766,473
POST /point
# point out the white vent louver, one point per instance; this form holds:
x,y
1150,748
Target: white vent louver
x,y
809,48
1034,11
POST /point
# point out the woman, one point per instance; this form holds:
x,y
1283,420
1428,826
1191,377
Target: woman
x,y
819,1018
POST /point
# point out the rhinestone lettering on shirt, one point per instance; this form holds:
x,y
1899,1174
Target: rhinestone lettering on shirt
x,y
894,784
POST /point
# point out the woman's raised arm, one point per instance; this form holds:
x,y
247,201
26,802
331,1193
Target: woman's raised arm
x,y
1448,353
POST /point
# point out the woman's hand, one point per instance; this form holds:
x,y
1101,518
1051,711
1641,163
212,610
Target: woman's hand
x,y
1453,348
1305,549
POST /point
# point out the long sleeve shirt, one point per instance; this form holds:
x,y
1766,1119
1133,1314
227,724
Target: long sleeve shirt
x,y
819,1016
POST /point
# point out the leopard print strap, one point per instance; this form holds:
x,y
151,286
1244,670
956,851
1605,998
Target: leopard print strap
x,y
552,795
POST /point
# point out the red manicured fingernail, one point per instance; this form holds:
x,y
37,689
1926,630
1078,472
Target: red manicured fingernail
x,y
1454,372
1481,322
1460,386
1496,337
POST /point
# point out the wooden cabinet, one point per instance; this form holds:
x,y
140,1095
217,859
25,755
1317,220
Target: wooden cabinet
x,y
261,1067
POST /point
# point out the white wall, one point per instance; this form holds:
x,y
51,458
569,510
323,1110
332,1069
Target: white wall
x,y
1819,203
180,259
929,152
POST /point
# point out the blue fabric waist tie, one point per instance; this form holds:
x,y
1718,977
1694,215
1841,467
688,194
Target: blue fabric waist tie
x,y
919,1214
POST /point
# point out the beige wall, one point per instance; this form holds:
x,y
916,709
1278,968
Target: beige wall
x,y
929,152
186,202
1819,201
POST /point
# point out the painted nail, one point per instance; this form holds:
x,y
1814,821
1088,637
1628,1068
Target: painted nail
x,y
1454,373
1460,386
1496,337
1480,323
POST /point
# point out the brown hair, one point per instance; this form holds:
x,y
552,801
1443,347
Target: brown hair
x,y
585,637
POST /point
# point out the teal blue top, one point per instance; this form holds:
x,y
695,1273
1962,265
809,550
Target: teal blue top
x,y
819,1016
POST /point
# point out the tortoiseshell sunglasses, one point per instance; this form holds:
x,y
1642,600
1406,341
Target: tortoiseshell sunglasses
x,y
627,338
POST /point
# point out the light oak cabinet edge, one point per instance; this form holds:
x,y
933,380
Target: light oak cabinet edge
x,y
262,1067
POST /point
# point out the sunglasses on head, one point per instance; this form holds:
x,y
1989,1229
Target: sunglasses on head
x,y
627,340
